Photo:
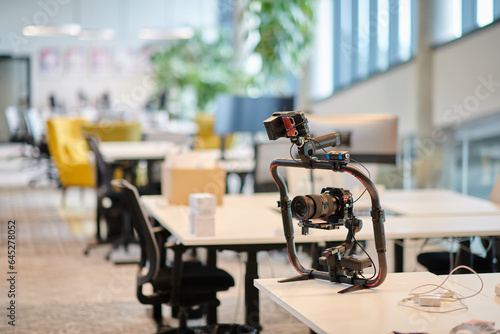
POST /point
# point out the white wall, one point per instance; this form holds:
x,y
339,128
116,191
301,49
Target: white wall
x,y
392,92
125,17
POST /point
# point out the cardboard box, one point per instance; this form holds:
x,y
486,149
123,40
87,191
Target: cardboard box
x,y
179,183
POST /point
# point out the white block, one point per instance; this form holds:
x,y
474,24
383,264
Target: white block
x,y
202,226
202,204
429,300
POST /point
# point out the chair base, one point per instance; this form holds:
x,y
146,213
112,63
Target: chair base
x,y
170,330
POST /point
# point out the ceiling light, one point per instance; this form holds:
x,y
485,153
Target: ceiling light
x,y
166,34
96,34
56,30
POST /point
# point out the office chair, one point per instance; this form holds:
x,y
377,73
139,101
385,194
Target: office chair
x,y
182,285
440,263
14,124
110,206
69,151
35,137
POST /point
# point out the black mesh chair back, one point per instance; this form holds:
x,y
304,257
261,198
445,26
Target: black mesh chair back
x,y
119,231
150,256
103,170
183,284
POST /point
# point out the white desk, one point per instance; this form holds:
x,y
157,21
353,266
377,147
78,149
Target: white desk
x,y
435,202
253,219
136,150
241,220
236,161
318,304
245,224
253,223
472,282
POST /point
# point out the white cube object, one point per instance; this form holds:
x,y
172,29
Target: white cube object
x,y
202,204
202,226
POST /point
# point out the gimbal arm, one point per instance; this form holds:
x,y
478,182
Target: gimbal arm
x,y
376,213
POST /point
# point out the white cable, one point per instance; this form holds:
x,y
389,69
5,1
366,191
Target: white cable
x,y
433,300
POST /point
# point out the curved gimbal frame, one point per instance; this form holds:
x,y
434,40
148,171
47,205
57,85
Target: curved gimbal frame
x,y
377,215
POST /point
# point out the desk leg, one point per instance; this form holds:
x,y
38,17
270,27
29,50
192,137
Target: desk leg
x,y
494,259
211,307
98,221
398,255
464,257
252,316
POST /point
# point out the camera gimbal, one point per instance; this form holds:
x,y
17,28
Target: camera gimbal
x,y
341,267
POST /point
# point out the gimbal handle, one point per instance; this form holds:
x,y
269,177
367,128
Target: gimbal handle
x,y
376,214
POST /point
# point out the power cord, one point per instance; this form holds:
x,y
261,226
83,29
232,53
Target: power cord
x,y
425,301
369,257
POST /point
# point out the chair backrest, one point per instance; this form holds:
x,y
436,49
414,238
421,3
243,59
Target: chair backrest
x,y
34,125
16,124
13,120
115,130
149,246
70,151
103,170
495,192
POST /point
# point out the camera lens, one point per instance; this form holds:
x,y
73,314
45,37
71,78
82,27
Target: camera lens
x,y
302,206
314,206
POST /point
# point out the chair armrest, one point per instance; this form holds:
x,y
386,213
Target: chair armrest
x,y
158,229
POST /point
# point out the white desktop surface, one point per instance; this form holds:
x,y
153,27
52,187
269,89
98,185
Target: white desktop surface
x,y
136,150
473,283
255,219
242,219
435,202
237,161
318,304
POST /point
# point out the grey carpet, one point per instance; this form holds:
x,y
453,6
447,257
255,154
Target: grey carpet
x,y
58,290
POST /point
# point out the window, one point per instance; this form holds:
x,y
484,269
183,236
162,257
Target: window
x,y
359,38
454,18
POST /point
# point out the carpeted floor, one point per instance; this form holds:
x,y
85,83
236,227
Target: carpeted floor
x,y
59,290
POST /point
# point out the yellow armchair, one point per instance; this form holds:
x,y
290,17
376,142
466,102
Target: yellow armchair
x,y
206,138
70,153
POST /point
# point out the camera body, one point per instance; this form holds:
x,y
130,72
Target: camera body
x,y
293,125
332,208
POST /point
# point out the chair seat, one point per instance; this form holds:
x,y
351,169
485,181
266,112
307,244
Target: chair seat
x,y
196,278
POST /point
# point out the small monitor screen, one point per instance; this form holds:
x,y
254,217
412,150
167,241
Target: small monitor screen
x,y
245,114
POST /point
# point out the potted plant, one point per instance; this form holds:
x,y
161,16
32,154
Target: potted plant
x,y
286,31
194,65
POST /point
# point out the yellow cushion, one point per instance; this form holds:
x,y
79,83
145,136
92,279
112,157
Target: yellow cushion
x,y
70,152
206,138
114,131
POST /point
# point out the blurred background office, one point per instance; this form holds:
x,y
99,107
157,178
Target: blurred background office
x,y
433,64
415,86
